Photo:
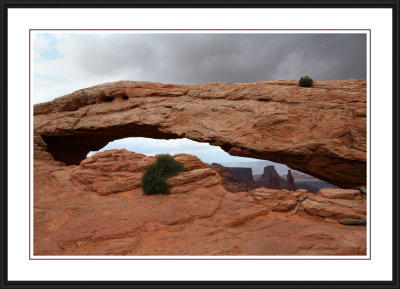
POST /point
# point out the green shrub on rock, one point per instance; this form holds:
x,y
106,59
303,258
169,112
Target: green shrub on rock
x,y
168,166
154,179
306,81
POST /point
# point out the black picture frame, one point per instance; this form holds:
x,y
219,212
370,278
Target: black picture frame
x,y
32,4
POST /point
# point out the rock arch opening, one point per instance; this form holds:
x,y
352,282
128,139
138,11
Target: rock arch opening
x,y
71,149
238,173
151,146
321,132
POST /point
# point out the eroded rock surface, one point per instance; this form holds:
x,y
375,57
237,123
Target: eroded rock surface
x,y
337,204
98,208
320,131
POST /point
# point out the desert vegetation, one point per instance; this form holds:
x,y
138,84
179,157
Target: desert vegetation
x,y
306,81
154,179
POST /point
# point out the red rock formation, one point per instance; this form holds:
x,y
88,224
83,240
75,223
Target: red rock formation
x,y
336,204
273,182
235,187
320,131
290,186
331,204
98,208
264,179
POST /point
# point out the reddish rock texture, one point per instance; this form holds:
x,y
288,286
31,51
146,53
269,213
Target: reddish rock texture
x,y
320,131
322,204
336,204
235,187
273,182
111,172
95,206
98,208
290,182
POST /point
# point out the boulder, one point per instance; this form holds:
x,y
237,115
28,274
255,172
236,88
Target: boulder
x,y
285,205
339,193
337,205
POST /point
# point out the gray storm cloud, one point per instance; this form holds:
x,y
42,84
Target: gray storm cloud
x,y
196,58
67,62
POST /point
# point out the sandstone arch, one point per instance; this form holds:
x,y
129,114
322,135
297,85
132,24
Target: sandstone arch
x,y
320,131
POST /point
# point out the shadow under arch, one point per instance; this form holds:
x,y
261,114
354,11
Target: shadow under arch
x,y
72,149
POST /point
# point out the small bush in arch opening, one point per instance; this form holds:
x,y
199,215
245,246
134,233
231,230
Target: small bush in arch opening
x,y
154,179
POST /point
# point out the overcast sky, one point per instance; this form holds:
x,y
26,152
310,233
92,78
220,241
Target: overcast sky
x,y
65,62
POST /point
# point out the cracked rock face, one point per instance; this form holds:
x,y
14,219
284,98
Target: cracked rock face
x,y
98,208
320,131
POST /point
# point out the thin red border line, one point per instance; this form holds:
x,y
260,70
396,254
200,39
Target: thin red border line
x,y
29,144
99,29
191,259
370,144
370,227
